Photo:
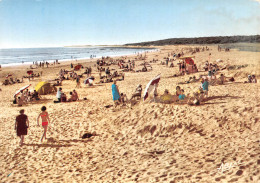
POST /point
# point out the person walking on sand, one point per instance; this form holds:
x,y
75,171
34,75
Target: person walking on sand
x,y
78,82
21,125
45,121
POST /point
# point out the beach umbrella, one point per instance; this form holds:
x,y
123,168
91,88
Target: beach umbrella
x,y
89,80
77,67
30,72
189,61
151,86
21,89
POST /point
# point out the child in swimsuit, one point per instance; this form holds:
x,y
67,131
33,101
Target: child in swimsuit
x,y
45,121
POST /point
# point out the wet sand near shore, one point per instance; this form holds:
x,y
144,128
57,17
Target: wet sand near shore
x,y
150,142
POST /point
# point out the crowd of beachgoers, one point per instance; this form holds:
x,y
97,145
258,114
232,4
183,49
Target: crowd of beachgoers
x,y
195,81
186,66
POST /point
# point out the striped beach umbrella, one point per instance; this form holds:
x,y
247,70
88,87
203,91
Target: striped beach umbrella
x,y
151,86
89,80
21,89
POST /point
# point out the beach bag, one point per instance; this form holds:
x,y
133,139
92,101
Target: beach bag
x,y
232,79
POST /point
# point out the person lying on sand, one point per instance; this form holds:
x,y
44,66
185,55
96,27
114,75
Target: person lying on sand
x,y
166,98
190,80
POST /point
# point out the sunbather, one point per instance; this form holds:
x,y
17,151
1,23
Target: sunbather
x,y
35,95
222,79
166,98
138,92
254,80
75,95
182,96
20,101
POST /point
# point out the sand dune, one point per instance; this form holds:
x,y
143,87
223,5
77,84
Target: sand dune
x,y
150,142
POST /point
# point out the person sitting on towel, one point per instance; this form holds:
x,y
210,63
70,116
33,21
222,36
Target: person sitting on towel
x,y
138,92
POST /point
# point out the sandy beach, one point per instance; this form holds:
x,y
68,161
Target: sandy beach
x,y
150,142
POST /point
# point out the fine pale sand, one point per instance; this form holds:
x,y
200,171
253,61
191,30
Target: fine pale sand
x,y
152,142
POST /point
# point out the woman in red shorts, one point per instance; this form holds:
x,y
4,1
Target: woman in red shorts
x,y
45,121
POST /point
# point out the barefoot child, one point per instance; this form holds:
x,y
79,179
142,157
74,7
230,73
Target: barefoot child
x,y
45,121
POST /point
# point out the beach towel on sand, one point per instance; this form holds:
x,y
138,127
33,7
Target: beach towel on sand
x,y
115,93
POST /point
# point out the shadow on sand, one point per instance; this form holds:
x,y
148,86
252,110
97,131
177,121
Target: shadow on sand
x,y
205,101
41,101
48,145
220,97
76,140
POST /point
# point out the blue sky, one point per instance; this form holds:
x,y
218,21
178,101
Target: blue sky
x,y
42,23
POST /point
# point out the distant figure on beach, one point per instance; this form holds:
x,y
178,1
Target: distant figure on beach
x,y
21,125
75,95
205,87
20,102
58,95
253,79
107,71
182,95
45,121
78,82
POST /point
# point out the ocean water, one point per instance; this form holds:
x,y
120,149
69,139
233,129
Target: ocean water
x,y
19,56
